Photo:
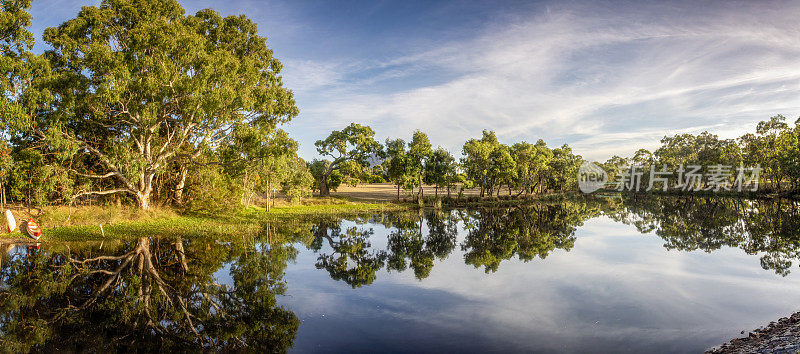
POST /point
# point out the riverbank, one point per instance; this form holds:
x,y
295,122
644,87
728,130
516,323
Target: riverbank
x,y
62,223
782,336
126,222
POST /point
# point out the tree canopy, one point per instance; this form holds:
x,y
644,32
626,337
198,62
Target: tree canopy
x,y
351,147
138,85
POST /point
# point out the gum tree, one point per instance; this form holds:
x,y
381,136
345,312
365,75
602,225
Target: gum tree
x,y
476,161
18,70
350,148
18,66
419,152
139,84
502,169
531,164
396,163
441,169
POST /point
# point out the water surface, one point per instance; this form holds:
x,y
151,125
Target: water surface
x,y
595,275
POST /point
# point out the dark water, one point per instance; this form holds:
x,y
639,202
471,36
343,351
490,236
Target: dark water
x,y
597,275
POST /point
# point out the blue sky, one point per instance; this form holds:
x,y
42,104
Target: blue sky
x,y
604,77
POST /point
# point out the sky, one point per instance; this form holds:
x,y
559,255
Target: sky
x,y
605,77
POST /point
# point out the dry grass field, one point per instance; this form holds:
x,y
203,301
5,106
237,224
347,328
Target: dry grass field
x,y
383,192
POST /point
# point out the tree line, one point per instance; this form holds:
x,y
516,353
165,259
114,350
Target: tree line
x,y
774,148
138,102
353,155
766,228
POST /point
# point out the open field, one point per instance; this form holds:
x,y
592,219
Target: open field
x,y
384,192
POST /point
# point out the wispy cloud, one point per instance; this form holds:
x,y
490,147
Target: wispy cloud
x,y
581,74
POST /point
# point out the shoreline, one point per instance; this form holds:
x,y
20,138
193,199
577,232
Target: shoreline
x,y
781,336
61,223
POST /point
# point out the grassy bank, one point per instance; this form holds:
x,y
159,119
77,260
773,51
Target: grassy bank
x,y
88,223
113,222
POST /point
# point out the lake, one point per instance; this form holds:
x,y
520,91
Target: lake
x,y
589,275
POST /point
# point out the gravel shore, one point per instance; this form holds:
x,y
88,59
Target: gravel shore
x,y
782,336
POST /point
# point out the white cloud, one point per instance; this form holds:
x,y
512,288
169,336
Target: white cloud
x,y
309,75
582,71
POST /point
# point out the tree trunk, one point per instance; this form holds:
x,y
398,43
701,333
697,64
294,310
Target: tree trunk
x,y
145,190
243,199
398,192
420,192
436,193
143,200
269,189
323,187
524,189
180,185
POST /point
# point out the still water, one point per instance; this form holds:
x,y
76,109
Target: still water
x,y
634,275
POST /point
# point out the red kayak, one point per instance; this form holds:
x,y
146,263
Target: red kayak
x,y
33,229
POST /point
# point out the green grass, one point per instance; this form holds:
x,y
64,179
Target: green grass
x,y
170,227
60,224
62,216
332,209
124,223
173,227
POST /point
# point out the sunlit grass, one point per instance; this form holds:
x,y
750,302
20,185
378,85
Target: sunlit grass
x,y
124,223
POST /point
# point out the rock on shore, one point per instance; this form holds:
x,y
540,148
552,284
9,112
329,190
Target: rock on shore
x,y
782,336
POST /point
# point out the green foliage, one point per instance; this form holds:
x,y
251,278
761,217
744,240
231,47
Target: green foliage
x,y
319,171
351,260
33,181
476,161
441,169
140,98
563,169
297,184
502,167
350,151
529,168
165,297
419,151
212,190
532,165
141,86
19,68
774,147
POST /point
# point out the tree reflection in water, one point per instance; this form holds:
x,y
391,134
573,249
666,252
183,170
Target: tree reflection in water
x,y
527,232
165,294
766,227
150,294
494,235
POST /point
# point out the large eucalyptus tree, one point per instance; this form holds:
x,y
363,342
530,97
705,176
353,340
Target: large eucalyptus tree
x,y
138,84
351,148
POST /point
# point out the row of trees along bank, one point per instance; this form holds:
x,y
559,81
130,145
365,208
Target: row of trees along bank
x,y
138,102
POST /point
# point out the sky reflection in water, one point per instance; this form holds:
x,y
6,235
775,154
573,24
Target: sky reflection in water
x,y
639,275
616,290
